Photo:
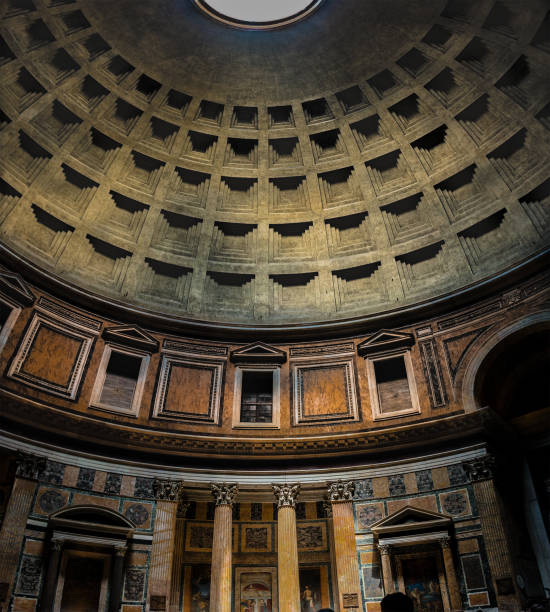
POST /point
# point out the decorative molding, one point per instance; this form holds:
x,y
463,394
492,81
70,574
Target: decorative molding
x,y
224,493
468,316
385,341
327,509
341,491
480,469
68,389
67,315
454,364
322,350
167,490
286,494
29,466
13,285
177,346
131,335
259,353
183,507
432,373
385,549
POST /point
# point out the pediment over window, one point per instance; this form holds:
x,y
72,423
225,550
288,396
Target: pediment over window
x,y
132,335
385,341
411,519
258,352
15,287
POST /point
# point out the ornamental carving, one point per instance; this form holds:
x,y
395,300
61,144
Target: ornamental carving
x,y
480,469
445,542
286,494
341,491
167,490
385,549
183,507
30,466
224,494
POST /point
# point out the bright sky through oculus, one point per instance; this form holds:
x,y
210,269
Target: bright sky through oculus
x,y
259,11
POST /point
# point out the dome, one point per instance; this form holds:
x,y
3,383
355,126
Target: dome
x,y
367,160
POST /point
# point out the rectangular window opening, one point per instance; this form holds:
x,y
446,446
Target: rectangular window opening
x,y
257,397
121,379
392,384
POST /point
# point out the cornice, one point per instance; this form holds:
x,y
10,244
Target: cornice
x,y
243,333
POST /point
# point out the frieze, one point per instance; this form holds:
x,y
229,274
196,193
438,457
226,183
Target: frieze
x,y
177,346
52,418
286,494
224,494
68,315
167,490
341,491
325,349
468,316
29,466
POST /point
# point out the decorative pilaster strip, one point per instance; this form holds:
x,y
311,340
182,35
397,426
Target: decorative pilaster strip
x,y
220,590
493,526
385,552
177,567
450,572
286,494
341,491
340,494
167,493
479,469
224,493
14,523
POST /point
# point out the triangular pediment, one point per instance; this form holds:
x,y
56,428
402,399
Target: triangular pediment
x,y
15,287
410,518
385,341
132,335
258,352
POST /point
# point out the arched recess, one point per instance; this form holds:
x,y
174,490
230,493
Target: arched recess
x,y
90,541
531,324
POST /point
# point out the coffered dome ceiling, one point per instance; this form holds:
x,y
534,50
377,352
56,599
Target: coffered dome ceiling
x,y
374,156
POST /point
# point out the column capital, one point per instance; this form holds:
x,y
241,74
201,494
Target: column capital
x,y
286,494
479,469
167,490
120,551
445,542
341,490
224,493
56,544
384,549
29,466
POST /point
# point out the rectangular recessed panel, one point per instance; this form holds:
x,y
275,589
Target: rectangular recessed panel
x,y
52,356
182,379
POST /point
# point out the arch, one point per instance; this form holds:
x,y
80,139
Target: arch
x,y
86,514
470,404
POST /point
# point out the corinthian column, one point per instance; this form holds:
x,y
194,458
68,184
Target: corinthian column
x,y
13,526
340,495
499,555
287,547
385,557
220,586
167,494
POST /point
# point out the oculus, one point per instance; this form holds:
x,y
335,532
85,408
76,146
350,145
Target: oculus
x,y
258,14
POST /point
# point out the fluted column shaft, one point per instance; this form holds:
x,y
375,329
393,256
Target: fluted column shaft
x,y
287,560
495,538
450,572
220,585
287,548
167,494
220,590
347,565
